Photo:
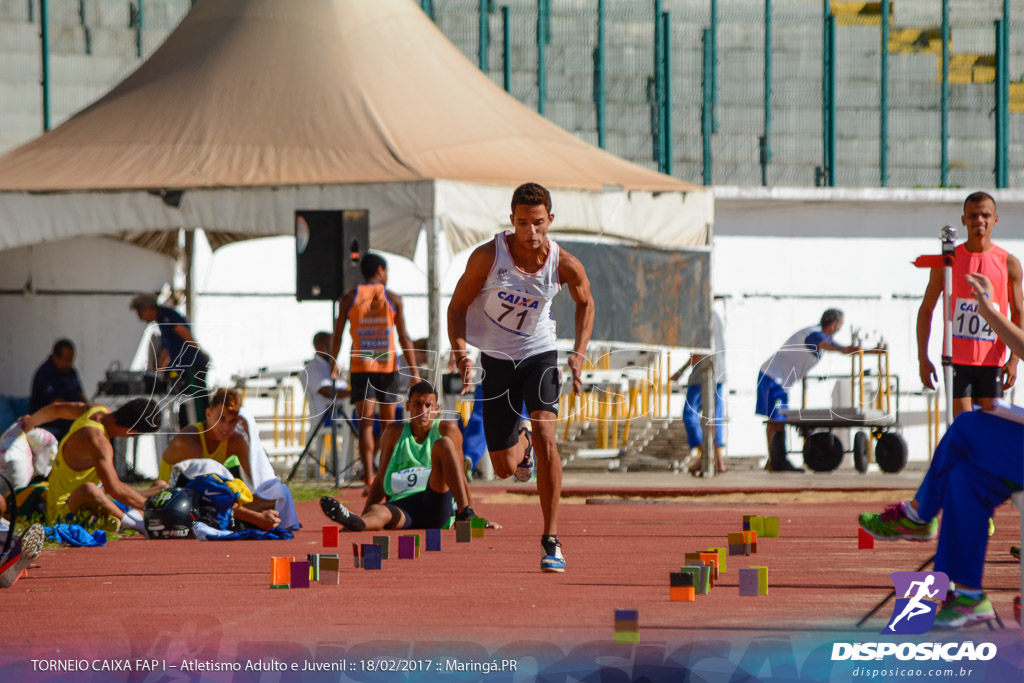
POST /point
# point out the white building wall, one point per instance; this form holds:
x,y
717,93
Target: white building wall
x,y
79,289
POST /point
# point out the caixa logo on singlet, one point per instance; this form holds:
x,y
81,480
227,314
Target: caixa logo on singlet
x,y
923,593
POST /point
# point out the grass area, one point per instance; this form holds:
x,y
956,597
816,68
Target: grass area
x,y
306,492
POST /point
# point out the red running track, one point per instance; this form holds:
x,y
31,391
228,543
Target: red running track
x,y
170,599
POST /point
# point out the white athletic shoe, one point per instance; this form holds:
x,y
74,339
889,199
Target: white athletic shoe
x,y
31,545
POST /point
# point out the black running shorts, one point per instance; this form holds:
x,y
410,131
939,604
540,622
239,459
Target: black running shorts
x,y
376,386
977,381
427,509
508,385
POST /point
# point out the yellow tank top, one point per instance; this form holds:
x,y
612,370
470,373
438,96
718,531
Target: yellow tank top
x,y
220,455
63,479
373,319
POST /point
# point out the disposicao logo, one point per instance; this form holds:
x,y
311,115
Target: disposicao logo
x,y
914,614
923,593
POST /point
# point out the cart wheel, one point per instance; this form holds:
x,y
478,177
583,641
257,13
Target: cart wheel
x,y
891,452
777,450
823,451
860,452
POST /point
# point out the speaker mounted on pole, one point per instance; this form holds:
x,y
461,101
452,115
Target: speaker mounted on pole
x,y
329,248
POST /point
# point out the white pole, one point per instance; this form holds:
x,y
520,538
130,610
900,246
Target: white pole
x,y
434,313
948,247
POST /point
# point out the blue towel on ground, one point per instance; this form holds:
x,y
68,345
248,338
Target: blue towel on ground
x,y
205,532
277,534
76,536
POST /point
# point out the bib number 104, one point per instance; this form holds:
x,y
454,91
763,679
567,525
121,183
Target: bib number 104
x,y
970,325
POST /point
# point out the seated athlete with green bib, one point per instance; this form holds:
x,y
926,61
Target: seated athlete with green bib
x,y
420,475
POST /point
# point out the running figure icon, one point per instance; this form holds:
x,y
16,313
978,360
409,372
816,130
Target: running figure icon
x,y
915,607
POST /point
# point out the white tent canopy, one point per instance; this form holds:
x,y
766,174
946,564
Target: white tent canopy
x,y
253,109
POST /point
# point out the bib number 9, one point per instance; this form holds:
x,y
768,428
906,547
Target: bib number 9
x,y
412,479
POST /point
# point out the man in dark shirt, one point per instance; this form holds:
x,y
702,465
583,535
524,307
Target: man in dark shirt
x,y
57,380
180,355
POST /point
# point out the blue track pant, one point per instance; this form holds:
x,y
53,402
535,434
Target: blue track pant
x,y
977,465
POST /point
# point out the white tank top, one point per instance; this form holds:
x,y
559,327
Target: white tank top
x,y
511,316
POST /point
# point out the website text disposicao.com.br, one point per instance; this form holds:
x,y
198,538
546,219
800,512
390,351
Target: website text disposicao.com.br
x,y
952,660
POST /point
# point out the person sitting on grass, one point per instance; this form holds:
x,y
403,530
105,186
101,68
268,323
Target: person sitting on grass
x,y
420,473
977,466
83,475
220,436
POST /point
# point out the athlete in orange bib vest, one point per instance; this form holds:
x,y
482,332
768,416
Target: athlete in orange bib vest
x,y
979,372
374,312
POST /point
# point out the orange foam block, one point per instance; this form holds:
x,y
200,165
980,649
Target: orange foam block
x,y
682,594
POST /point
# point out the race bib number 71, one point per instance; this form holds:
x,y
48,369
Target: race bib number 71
x,y
968,323
514,312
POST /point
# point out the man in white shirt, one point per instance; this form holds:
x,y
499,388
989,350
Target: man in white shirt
x,y
322,389
787,366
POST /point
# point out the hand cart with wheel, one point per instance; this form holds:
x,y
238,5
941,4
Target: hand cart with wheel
x,y
875,422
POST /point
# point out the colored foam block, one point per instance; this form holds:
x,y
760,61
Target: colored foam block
x,y
703,584
357,554
771,527
627,615
746,522
627,626
280,571
331,536
478,525
314,566
695,572
417,537
406,548
692,558
627,637
330,567
749,582
433,540
736,538
750,538
739,549
681,593
865,541
757,525
713,559
300,574
385,546
762,580
463,532
721,558
372,556
680,579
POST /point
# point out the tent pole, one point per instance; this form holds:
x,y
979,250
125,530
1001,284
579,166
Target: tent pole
x,y
190,250
433,227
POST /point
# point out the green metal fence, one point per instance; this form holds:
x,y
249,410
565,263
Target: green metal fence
x,y
680,85
758,92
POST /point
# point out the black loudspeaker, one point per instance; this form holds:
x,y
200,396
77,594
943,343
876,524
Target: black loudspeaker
x,y
329,246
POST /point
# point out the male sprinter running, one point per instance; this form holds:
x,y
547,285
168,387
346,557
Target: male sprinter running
x,y
502,305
